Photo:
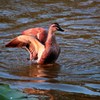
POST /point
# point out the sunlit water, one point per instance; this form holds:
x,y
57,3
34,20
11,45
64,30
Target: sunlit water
x,y
76,74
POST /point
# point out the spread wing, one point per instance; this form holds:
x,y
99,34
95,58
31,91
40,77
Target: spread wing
x,y
31,43
39,32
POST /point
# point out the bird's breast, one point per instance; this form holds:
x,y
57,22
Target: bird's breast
x,y
49,55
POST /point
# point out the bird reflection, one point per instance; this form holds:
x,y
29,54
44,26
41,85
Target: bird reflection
x,y
36,73
41,94
49,70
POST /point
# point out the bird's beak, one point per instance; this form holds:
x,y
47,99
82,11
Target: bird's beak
x,y
60,29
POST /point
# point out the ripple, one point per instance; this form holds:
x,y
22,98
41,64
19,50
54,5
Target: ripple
x,y
4,26
95,86
61,87
24,20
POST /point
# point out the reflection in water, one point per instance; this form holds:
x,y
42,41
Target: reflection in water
x,y
36,73
45,70
57,95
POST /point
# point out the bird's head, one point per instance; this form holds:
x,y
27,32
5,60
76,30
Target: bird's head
x,y
56,27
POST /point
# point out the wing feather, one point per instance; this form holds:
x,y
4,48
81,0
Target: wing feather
x,y
27,41
16,43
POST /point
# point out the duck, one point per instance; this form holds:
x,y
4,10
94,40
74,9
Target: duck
x,y
41,45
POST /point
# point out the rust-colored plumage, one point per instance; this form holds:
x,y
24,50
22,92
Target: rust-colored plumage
x,y
41,45
39,33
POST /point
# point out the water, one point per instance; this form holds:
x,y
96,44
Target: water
x,y
76,74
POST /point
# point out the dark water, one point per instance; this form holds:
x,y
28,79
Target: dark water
x,y
76,74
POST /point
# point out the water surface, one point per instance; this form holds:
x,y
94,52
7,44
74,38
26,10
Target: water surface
x,y
76,74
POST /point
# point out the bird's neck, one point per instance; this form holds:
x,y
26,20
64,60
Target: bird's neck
x,y
50,38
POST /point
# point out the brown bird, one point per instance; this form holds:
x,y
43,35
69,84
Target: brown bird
x,y
42,47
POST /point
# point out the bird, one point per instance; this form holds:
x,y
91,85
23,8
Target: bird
x,y
41,45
